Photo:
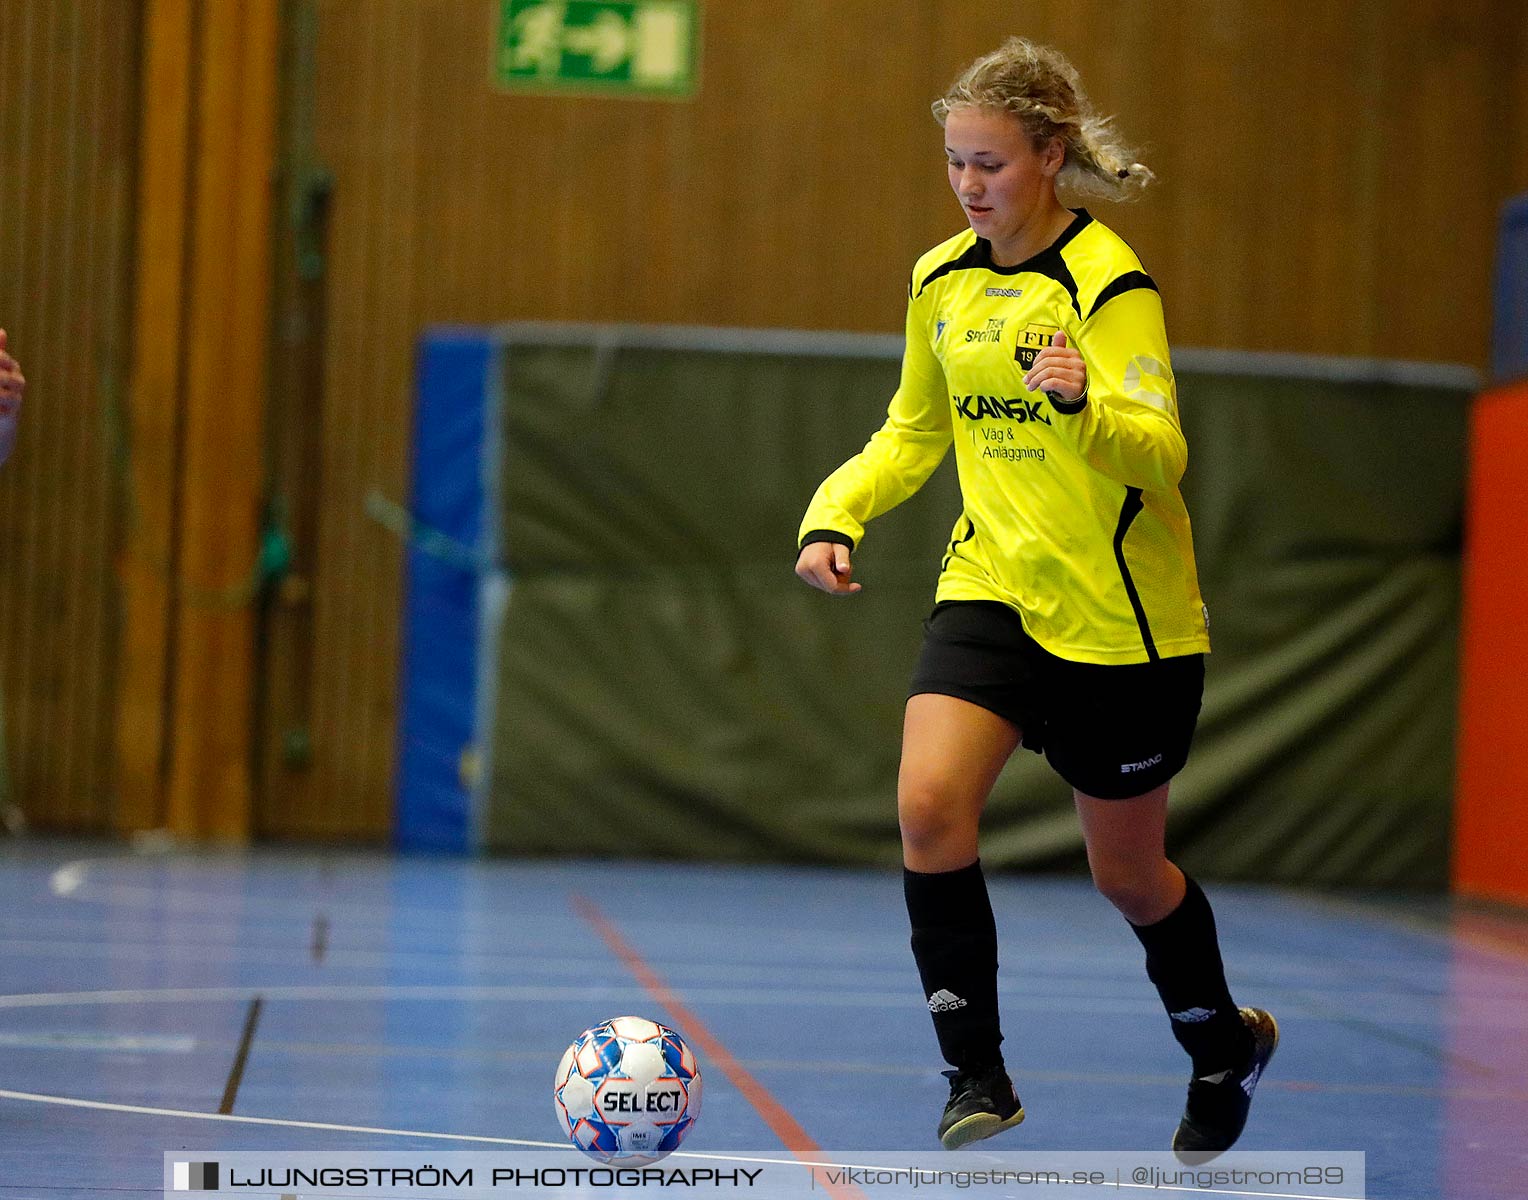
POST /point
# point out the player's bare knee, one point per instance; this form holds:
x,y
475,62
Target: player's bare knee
x,y
1128,886
925,826
930,816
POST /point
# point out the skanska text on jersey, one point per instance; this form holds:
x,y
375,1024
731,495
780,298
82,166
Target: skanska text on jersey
x,y
979,408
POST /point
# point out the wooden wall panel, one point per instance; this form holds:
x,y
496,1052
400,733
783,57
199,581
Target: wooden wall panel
x,y
197,415
221,477
1298,150
341,647
1324,189
153,425
68,115
1514,131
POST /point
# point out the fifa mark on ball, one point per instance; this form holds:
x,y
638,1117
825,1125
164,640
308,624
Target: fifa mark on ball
x,y
627,1091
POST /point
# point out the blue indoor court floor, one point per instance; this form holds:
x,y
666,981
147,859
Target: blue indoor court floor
x,y
367,1002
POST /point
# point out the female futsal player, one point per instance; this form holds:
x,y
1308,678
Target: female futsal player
x,y
1068,617
12,385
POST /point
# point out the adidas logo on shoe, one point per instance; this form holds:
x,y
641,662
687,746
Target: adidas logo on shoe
x,y
944,1000
1249,1084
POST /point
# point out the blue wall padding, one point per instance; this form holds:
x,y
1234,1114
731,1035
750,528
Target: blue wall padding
x,y
1509,340
442,605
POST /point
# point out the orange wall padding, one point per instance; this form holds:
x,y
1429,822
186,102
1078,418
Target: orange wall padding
x,y
1491,810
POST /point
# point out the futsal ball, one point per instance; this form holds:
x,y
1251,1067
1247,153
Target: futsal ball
x,y
627,1091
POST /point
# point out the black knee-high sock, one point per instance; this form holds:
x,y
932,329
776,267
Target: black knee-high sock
x,y
1183,960
955,945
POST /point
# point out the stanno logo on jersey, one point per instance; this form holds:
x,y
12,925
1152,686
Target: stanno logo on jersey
x,y
979,408
939,326
1006,293
993,332
1031,340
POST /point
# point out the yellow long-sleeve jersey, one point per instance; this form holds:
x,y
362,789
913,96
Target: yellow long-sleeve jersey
x,y
1072,514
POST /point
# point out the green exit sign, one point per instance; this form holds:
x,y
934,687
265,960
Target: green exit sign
x,y
630,47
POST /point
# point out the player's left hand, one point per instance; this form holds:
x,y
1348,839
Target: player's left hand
x,y
12,383
1058,368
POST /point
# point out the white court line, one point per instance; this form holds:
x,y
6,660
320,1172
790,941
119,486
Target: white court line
x,y
235,1118
365,992
68,879
1039,985
131,1043
523,992
329,1127
1027,1001
1054,966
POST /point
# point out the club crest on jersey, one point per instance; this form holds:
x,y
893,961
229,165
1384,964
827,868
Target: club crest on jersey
x,y
1031,340
992,333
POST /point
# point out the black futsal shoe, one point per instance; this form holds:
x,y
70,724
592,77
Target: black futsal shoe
x,y
982,1103
1218,1104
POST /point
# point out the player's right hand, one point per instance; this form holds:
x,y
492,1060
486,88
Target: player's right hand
x,y
12,382
825,565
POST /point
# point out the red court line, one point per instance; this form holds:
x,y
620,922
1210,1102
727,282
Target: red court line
x,y
785,1127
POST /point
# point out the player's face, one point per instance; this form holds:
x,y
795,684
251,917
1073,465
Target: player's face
x,y
1001,180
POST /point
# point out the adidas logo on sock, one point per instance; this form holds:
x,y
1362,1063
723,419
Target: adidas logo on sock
x,y
1192,1016
1250,1082
944,1000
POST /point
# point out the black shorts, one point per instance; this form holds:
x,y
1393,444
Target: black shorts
x,y
1110,731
